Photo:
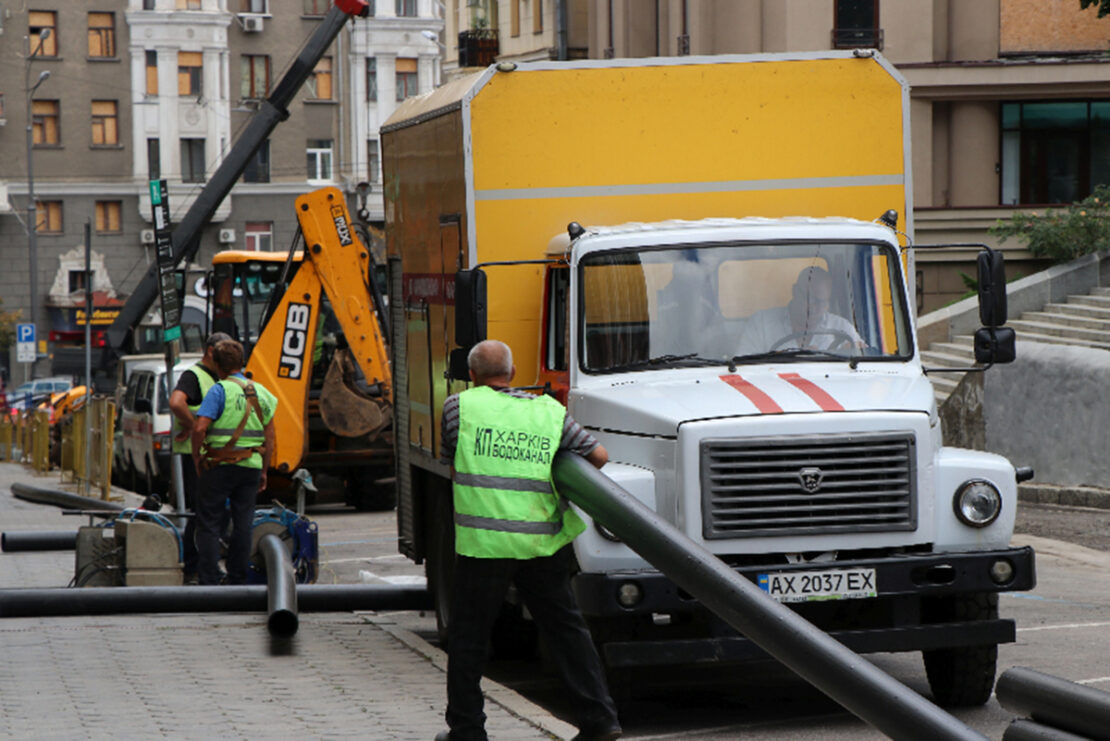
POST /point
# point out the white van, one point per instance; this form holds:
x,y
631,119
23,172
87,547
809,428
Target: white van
x,y
145,443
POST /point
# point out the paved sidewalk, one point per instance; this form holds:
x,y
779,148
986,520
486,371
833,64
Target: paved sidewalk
x,y
217,675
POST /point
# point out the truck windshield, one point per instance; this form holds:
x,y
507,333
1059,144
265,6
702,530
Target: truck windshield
x,y
743,303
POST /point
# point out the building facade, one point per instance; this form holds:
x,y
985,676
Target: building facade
x,y
148,89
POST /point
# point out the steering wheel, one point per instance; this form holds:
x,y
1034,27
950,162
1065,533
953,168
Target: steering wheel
x,y
840,338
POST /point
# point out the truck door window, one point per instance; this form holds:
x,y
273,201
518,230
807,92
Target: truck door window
x,y
558,337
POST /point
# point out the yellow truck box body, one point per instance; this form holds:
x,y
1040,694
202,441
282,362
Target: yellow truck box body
x,y
491,166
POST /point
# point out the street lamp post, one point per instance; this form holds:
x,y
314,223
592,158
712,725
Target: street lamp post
x,y
32,217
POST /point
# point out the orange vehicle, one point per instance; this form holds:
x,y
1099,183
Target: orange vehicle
x,y
309,322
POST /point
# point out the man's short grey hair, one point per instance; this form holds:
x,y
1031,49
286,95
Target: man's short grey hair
x,y
490,359
216,338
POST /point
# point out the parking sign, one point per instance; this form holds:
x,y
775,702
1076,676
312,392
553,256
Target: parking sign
x,y
25,342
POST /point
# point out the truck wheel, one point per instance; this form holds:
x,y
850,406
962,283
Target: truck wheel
x,y
963,677
439,539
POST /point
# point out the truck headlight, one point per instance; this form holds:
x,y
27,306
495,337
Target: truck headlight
x,y
977,503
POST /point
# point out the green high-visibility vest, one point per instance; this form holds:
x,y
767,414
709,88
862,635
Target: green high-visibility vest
x,y
205,381
505,504
235,406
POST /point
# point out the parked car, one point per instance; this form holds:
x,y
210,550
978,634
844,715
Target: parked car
x,y
145,423
36,391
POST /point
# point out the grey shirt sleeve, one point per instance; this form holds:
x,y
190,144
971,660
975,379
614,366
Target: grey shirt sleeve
x,y
449,430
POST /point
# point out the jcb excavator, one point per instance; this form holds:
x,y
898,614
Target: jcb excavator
x,y
312,323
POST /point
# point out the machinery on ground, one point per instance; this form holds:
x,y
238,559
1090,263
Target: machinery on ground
x,y
706,198
312,323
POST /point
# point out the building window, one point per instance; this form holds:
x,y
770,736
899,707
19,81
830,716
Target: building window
x,y
320,7
1054,152
319,160
856,24
255,76
373,160
102,35
190,68
108,216
258,166
406,78
48,217
151,72
148,4
77,281
319,82
188,4
44,122
405,8
2,106
262,7
537,16
371,79
259,236
37,22
192,160
153,158
514,17
105,123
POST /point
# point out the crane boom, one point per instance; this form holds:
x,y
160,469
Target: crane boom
x,y
274,110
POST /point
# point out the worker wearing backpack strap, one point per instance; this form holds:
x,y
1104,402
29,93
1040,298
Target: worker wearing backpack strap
x,y
232,442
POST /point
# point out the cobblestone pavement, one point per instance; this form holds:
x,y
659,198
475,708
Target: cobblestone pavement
x,y
217,675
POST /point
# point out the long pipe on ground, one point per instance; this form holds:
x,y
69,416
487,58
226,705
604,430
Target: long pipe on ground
x,y
56,602
1055,702
61,498
281,587
1026,730
855,683
38,540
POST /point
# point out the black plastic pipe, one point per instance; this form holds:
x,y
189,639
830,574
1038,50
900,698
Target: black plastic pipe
x,y
857,684
281,587
1055,702
1026,730
62,498
57,602
38,540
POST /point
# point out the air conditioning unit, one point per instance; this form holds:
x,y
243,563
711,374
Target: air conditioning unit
x,y
146,236
227,236
252,23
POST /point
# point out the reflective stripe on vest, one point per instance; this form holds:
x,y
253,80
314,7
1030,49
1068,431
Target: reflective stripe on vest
x,y
505,505
235,406
206,382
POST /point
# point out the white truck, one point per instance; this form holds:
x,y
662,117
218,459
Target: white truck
x,y
631,229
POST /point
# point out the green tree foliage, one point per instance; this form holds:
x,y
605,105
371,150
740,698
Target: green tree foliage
x,y
7,326
1102,5
1063,233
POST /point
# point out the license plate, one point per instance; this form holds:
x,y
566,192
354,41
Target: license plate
x,y
810,586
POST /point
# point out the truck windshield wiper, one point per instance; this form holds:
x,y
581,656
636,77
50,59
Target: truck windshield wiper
x,y
787,354
664,360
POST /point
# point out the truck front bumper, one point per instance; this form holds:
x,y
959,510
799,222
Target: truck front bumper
x,y
902,583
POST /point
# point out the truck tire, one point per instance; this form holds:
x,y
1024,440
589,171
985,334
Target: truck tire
x,y
964,676
439,540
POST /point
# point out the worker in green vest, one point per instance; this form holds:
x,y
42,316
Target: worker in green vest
x,y
512,527
184,403
232,442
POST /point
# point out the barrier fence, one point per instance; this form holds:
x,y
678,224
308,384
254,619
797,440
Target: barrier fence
x,y
77,443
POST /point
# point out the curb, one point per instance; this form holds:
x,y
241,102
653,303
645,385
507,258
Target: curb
x,y
494,692
1070,496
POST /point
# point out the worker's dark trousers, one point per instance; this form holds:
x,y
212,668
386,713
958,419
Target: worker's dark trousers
x,y
544,586
189,482
238,486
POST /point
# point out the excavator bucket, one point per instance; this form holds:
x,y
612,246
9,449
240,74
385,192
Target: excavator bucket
x,y
346,410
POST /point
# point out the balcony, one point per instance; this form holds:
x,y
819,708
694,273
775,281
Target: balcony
x,y
478,47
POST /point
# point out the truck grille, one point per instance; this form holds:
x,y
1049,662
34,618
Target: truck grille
x,y
808,485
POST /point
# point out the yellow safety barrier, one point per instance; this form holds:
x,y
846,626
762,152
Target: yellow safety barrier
x,y
7,437
101,430
40,440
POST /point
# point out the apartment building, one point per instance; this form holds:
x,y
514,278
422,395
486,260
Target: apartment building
x,y
118,92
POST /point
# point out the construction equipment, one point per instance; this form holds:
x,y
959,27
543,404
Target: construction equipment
x,y
311,323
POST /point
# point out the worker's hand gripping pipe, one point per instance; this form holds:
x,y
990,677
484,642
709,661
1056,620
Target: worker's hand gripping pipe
x,y
855,683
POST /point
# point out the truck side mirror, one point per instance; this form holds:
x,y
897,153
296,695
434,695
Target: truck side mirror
x,y
995,345
470,307
992,289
